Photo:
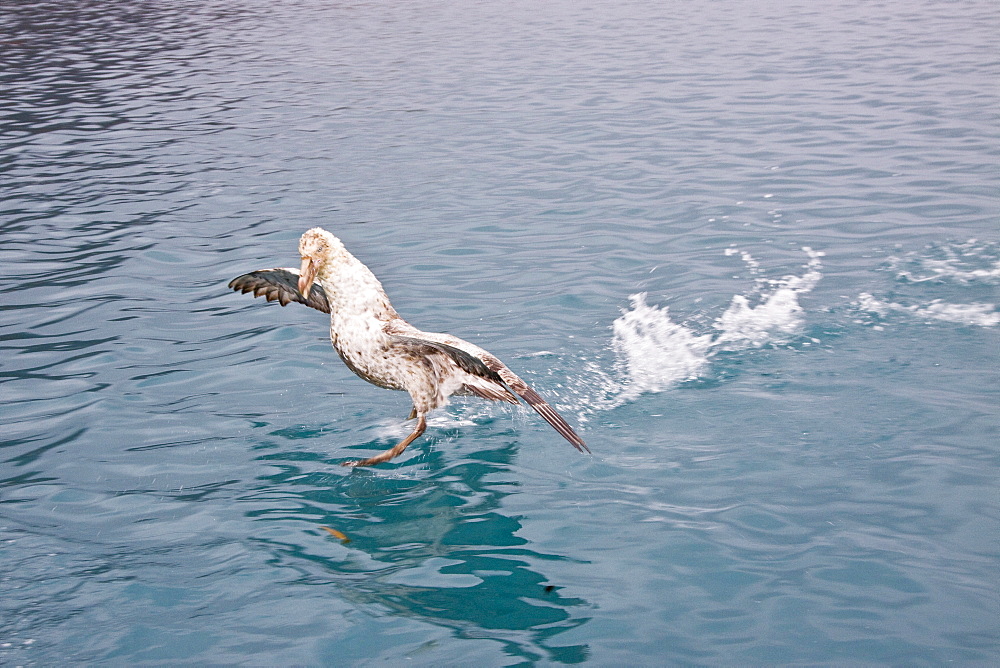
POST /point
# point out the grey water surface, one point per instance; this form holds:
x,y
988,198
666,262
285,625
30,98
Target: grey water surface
x,y
752,250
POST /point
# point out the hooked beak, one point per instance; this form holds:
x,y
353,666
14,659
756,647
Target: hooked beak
x,y
307,274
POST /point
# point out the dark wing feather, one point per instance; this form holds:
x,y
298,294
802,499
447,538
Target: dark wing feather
x,y
489,367
467,362
281,285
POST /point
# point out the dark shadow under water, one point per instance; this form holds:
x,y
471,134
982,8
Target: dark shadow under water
x,y
435,547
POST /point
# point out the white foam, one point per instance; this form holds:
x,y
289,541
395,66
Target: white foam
x,y
744,326
777,315
976,314
971,261
654,353
752,264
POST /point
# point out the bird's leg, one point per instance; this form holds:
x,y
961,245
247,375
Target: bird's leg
x,y
397,450
413,413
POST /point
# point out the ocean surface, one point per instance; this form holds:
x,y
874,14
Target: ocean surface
x,y
751,250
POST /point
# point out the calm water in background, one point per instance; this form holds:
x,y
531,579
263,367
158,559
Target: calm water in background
x,y
753,252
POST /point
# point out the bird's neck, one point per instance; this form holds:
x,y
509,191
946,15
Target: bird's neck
x,y
354,292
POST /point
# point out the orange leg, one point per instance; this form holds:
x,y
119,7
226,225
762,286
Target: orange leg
x,y
394,451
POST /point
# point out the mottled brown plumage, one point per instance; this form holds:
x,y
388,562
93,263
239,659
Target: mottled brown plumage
x,y
382,348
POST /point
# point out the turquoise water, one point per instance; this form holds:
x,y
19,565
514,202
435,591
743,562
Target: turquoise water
x,y
752,252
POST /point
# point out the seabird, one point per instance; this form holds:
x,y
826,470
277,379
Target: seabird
x,y
382,348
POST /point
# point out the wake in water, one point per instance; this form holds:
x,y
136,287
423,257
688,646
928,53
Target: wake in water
x,y
976,314
656,352
653,352
971,261
941,267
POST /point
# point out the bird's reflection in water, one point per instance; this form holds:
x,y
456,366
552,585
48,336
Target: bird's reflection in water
x,y
434,546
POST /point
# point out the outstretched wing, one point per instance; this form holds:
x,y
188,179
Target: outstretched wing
x,y
480,363
280,285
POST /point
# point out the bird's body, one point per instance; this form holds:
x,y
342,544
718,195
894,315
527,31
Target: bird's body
x,y
382,348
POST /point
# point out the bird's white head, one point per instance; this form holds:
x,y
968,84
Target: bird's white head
x,y
317,247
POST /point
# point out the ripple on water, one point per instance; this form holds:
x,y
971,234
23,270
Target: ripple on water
x,y
794,450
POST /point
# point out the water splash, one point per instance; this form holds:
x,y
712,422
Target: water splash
x,y
971,261
653,352
949,267
777,315
976,314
